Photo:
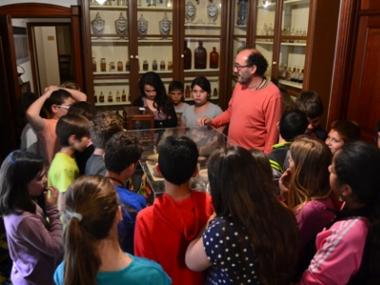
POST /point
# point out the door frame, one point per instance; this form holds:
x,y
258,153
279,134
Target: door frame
x,y
38,10
12,92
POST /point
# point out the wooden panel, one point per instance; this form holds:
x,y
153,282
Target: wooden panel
x,y
9,95
321,46
364,102
77,47
342,72
370,5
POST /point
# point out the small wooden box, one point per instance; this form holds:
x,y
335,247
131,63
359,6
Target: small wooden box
x,y
138,118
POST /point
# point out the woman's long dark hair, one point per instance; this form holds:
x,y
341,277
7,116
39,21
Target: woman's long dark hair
x,y
241,192
94,199
17,170
161,101
357,164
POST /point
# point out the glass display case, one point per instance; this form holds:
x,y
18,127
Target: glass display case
x,y
294,29
265,30
207,139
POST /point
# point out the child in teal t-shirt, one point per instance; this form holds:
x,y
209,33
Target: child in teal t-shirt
x,y
92,250
140,271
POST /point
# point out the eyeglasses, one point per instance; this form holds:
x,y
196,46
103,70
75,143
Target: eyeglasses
x,y
64,107
238,66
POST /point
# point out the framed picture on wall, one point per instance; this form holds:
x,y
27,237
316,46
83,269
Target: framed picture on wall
x,y
21,44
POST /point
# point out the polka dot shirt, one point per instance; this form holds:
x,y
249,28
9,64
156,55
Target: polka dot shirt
x,y
230,253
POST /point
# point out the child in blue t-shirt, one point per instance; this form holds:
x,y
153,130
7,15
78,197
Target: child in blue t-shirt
x,y
121,157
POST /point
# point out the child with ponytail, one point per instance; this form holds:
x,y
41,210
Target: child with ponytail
x,y
92,251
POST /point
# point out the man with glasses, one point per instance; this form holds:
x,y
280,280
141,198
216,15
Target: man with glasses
x,y
255,105
57,102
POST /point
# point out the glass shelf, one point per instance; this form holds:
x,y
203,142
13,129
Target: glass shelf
x,y
154,9
202,26
296,2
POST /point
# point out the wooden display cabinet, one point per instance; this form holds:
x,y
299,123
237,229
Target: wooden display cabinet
x,y
297,37
153,50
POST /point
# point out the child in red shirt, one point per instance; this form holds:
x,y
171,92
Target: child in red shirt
x,y
165,229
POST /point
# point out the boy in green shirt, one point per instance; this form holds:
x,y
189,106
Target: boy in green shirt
x,y
73,135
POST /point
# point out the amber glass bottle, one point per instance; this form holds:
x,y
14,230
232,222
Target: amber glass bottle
x,y
187,57
101,97
214,58
200,56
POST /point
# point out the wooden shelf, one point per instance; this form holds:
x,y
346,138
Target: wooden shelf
x,y
296,2
154,9
264,42
303,44
112,8
291,83
145,41
202,26
111,75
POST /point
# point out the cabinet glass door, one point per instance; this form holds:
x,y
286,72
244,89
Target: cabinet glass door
x,y
155,37
202,54
265,32
109,44
240,32
293,39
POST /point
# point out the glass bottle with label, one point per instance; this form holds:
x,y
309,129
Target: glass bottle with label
x,y
119,65
162,65
187,57
154,65
215,93
123,96
214,58
200,56
103,65
145,65
110,97
101,97
118,98
187,92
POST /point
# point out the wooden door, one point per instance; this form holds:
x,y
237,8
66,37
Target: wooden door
x,y
9,95
364,97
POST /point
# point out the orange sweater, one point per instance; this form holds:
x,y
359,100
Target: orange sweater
x,y
253,116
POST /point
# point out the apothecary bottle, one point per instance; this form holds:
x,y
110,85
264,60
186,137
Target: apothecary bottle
x,y
200,56
118,98
103,65
154,65
119,66
214,58
101,97
162,65
187,57
123,96
110,97
127,65
187,91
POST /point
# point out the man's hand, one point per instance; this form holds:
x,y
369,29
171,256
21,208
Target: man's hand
x,y
204,121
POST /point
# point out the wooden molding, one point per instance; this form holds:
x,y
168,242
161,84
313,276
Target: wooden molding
x,y
345,48
35,10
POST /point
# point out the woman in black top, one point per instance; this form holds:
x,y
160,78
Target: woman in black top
x,y
153,96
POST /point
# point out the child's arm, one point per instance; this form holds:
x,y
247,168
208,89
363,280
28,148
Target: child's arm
x,y
196,258
46,239
33,112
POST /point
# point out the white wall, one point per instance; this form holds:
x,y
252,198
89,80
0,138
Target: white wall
x,y
47,56
66,3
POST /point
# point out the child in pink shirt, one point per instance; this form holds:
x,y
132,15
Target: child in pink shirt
x,y
348,252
